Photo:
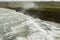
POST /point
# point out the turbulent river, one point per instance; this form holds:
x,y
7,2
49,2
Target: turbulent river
x,y
18,26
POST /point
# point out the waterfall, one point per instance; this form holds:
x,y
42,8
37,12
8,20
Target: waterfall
x,y
18,26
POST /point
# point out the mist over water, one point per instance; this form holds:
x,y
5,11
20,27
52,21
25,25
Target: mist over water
x,y
28,5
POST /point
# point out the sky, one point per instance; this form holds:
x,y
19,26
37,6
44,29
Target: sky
x,y
26,0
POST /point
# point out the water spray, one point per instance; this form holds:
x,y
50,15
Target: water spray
x,y
27,5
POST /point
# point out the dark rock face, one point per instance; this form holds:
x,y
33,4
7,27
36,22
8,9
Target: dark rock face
x,y
45,15
53,15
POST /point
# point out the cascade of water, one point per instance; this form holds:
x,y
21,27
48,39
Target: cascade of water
x,y
17,26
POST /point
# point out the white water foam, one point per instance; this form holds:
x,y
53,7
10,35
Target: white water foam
x,y
17,26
